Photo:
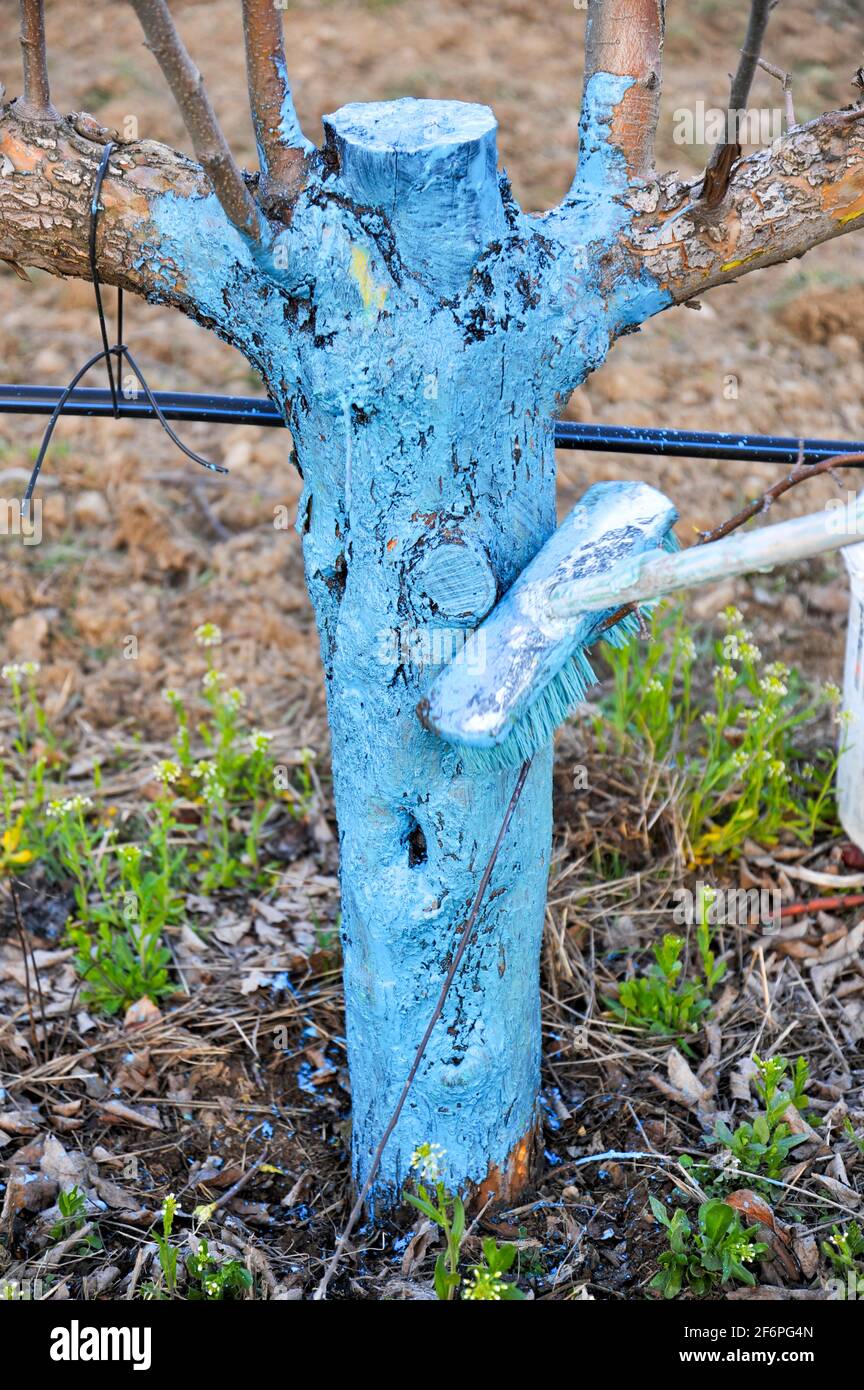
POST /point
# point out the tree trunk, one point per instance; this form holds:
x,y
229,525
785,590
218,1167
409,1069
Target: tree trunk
x,y
423,501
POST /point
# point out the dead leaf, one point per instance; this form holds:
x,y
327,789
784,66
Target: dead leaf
x,y
142,1012
116,1112
685,1080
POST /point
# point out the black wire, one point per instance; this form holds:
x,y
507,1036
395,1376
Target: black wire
x,y
120,350
95,208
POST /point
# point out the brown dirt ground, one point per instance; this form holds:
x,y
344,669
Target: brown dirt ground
x,y
138,543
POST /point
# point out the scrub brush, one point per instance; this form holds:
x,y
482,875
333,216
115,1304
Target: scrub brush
x,y
533,670
614,549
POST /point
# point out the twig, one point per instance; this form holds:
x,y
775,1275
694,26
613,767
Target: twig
x,y
31,1013
467,934
238,1186
36,102
785,79
189,92
719,170
837,904
22,937
844,1062
801,473
281,146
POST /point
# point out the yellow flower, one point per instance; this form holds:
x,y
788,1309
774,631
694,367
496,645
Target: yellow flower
x,y
11,856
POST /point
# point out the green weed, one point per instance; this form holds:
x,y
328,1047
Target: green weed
x,y
845,1251
739,769
763,1145
484,1281
716,1252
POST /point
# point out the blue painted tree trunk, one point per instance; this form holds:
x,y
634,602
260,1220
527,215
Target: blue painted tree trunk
x,y
421,331
423,432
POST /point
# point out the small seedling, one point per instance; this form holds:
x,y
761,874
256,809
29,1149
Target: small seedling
x,y
167,1254
215,1282
484,1281
72,1204
762,1146
713,1254
845,1250
662,1000
856,1139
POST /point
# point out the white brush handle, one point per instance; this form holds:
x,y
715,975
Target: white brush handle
x,y
651,575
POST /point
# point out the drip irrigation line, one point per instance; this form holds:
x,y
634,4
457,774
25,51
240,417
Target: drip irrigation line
x,y
211,409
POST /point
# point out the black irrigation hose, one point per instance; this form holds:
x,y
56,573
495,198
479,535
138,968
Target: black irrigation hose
x,y
209,409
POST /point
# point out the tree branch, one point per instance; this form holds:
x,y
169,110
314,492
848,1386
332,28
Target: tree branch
x,y
189,92
282,147
781,202
724,156
36,101
161,233
624,39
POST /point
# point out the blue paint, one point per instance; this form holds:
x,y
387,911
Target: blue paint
x,y
290,133
418,330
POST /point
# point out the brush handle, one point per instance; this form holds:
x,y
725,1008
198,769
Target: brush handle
x,y
640,578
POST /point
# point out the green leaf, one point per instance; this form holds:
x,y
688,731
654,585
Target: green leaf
x,y
442,1279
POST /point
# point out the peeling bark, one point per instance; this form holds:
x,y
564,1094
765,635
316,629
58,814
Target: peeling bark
x,y
807,188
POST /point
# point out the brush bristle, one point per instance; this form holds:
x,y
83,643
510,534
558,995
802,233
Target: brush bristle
x,y
556,702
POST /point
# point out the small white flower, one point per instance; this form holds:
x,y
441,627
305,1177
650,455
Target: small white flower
x,y
213,791
773,685
732,617
831,693
259,742
208,635
14,670
58,809
212,680
166,771
654,686
427,1160
235,698
170,695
